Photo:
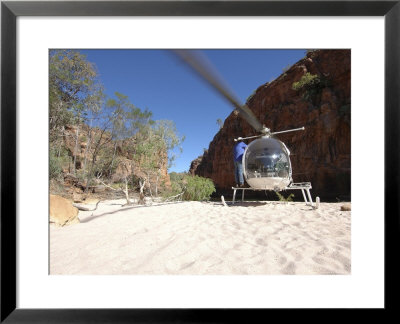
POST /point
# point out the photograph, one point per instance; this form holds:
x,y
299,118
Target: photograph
x,y
199,161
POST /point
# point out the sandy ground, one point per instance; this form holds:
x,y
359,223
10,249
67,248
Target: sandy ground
x,y
194,238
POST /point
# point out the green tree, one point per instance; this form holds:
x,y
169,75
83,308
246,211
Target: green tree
x,y
155,145
127,119
119,121
73,86
74,90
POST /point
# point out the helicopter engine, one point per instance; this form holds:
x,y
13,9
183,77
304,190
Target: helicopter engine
x,y
266,164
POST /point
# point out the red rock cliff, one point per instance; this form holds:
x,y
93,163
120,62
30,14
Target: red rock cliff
x,y
321,153
124,166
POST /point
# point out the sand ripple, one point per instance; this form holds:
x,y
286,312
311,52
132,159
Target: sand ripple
x,y
205,238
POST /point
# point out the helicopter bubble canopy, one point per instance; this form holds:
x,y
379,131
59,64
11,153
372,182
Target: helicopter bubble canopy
x,y
266,164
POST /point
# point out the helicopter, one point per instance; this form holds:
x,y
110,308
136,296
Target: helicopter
x,y
266,160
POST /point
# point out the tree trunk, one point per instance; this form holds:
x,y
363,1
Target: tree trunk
x,y
157,179
88,144
61,142
113,157
128,202
149,184
86,152
89,175
76,148
141,194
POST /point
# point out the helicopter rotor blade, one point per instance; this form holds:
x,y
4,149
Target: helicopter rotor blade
x,y
203,68
287,131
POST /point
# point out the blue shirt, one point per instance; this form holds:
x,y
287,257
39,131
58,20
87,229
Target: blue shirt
x,y
238,151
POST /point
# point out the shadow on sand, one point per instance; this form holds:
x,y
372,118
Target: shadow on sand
x,y
248,203
123,208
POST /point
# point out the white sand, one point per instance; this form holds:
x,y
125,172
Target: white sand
x,y
204,238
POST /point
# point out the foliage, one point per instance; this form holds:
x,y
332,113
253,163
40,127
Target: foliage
x,y
177,184
155,142
55,169
198,188
125,119
73,88
282,198
106,164
77,99
310,85
194,187
117,120
167,134
57,160
307,81
177,177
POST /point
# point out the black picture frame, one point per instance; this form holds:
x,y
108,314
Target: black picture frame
x,y
10,10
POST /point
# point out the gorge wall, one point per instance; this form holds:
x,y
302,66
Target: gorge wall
x,y
123,166
321,154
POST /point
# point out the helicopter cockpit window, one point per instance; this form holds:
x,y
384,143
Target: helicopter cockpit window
x,y
267,158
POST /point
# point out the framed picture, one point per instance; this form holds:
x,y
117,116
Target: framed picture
x,y
248,17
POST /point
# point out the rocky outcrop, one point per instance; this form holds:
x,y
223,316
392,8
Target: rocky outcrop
x,y
122,149
195,163
62,212
321,153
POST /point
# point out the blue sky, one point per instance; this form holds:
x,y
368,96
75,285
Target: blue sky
x,y
157,80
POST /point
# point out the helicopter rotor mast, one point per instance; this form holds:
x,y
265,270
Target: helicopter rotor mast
x,y
204,69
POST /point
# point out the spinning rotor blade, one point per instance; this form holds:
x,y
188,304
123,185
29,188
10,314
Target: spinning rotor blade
x,y
203,68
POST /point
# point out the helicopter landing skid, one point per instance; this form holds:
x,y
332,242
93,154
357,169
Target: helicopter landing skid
x,y
303,186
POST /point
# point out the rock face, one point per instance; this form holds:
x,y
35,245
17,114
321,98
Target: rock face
x,y
62,212
195,163
321,153
83,150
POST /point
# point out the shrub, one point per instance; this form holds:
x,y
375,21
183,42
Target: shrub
x,y
307,81
282,198
58,160
177,177
198,188
55,168
311,86
177,185
194,187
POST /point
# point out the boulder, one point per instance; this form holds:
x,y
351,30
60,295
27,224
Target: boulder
x,y
345,207
99,188
62,212
77,197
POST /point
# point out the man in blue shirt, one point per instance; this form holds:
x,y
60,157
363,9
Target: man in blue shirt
x,y
238,151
